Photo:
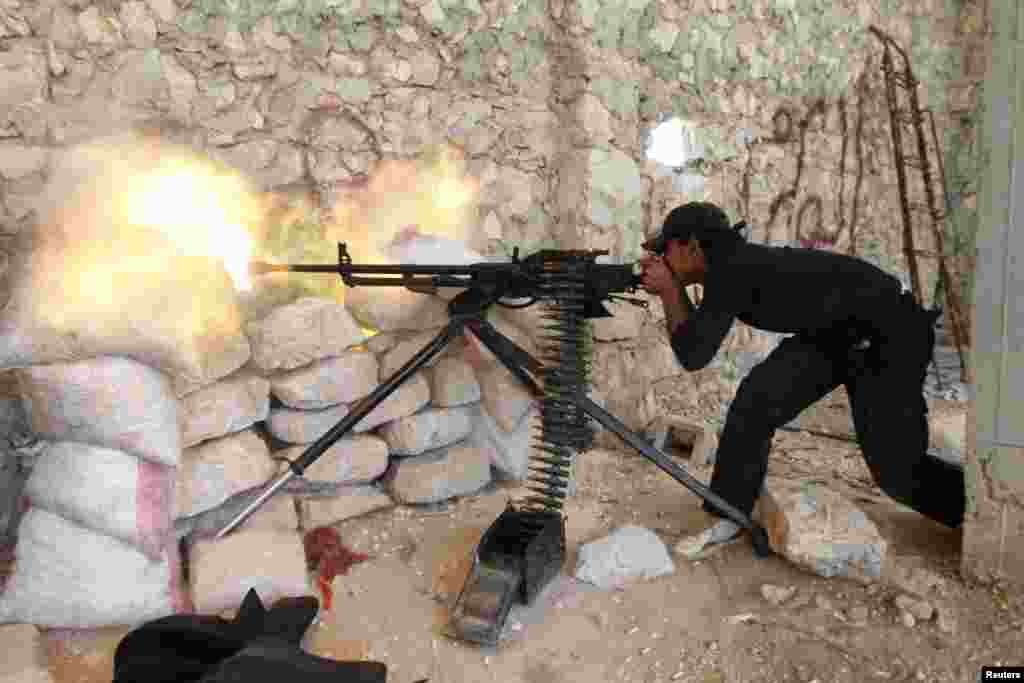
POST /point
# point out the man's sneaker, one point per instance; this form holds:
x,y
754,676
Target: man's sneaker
x,y
713,538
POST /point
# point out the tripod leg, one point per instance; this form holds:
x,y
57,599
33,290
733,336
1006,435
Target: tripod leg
x,y
358,412
611,423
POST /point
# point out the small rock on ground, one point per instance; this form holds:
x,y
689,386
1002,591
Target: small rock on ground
x,y
818,529
777,594
629,552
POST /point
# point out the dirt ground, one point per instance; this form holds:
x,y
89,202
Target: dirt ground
x,y
707,622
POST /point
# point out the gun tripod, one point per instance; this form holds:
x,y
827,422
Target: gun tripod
x,y
525,547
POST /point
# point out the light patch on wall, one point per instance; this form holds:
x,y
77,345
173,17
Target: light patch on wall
x,y
673,143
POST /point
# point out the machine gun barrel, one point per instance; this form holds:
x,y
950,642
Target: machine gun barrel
x,y
262,267
513,279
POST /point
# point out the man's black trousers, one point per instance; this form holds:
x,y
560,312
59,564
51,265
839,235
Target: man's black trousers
x,y
884,383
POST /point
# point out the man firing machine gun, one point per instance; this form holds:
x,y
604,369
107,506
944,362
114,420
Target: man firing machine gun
x,y
850,322
525,547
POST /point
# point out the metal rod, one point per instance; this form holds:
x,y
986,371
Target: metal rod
x,y
274,487
898,157
361,410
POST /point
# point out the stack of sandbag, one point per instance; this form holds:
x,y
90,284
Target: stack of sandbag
x,y
225,464
95,304
433,439
95,547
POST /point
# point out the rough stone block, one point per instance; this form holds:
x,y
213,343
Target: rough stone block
x,y
427,430
223,570
819,530
403,351
361,457
625,322
948,431
277,514
478,354
452,383
235,403
24,657
406,400
215,470
341,379
382,342
304,426
351,502
504,397
439,475
390,310
308,330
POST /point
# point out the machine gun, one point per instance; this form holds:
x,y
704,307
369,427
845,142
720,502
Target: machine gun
x,y
524,548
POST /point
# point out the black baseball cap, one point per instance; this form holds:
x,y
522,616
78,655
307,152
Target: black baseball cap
x,y
694,219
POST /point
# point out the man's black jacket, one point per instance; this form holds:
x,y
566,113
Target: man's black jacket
x,y
833,298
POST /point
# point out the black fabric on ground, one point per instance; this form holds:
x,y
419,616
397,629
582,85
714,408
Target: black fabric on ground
x,y
257,646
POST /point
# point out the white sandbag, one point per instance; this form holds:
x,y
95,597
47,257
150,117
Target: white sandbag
x,y
66,576
223,570
106,491
74,301
111,401
110,277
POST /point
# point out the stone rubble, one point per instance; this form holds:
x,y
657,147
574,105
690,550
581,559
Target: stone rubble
x,y
427,442
629,552
820,531
777,594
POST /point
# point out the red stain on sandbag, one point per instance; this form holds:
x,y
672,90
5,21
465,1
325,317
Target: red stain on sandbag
x,y
328,555
154,500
